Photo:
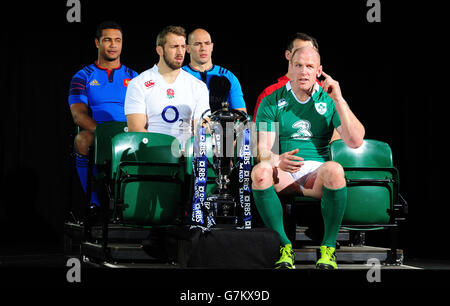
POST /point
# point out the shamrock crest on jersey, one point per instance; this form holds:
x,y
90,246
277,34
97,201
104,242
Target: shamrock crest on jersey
x,y
321,107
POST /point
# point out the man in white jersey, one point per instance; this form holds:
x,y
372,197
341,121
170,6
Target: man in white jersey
x,y
166,99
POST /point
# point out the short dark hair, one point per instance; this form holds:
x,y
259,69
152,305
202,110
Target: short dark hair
x,y
107,25
177,30
301,36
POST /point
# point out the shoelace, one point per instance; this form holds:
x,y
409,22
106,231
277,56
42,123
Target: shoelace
x,y
329,254
285,251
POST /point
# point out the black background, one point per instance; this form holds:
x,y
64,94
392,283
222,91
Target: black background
x,y
391,73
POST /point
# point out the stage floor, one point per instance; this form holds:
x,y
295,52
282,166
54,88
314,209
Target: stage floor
x,y
36,265
56,260
52,269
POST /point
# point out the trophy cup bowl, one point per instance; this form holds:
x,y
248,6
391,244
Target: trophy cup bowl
x,y
223,132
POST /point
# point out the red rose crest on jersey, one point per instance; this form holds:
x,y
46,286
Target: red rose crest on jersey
x,y
149,84
170,93
125,82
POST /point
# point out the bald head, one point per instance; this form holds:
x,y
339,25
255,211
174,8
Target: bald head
x,y
198,33
305,66
307,51
200,49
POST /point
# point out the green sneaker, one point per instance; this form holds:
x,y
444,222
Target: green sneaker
x,y
327,259
287,258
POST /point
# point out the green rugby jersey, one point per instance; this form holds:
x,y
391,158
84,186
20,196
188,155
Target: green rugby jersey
x,y
306,126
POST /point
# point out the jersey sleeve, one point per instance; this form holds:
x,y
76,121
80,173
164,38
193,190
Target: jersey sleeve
x,y
258,102
134,98
266,116
202,100
335,119
77,89
235,97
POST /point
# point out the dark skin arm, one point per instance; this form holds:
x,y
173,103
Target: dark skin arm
x,y
80,115
84,139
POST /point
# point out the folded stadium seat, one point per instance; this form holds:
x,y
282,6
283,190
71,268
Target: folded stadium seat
x,y
104,132
373,198
372,183
100,157
148,175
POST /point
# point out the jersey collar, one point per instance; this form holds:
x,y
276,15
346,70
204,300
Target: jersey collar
x,y
289,88
196,70
96,65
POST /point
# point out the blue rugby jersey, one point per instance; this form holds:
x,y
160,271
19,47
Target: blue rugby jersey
x,y
235,97
102,90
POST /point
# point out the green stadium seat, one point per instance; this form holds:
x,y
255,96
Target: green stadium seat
x,y
104,132
372,182
148,176
100,157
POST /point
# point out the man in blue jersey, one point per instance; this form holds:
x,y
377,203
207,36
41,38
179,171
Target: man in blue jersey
x,y
97,94
200,49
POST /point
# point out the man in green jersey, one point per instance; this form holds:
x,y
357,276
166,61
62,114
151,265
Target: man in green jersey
x,y
306,115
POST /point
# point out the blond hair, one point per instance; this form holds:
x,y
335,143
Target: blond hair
x,y
161,38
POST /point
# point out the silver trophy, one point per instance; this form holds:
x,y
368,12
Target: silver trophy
x,y
224,125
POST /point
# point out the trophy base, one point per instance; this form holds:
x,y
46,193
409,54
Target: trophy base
x,y
225,220
226,212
